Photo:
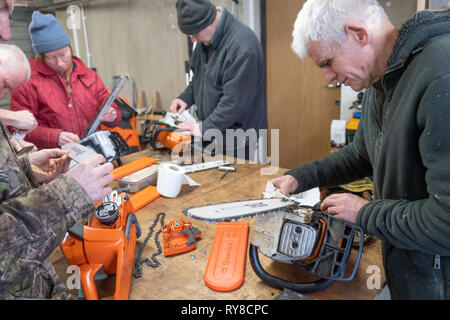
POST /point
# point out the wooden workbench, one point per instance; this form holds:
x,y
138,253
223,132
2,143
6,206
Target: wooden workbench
x,y
180,277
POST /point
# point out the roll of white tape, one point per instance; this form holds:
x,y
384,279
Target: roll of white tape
x,y
170,179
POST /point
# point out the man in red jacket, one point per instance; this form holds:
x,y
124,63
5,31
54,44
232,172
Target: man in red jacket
x,y
63,94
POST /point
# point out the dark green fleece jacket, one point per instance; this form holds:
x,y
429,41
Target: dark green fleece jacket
x,y
403,141
229,80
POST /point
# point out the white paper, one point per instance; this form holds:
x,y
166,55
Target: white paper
x,y
307,198
78,152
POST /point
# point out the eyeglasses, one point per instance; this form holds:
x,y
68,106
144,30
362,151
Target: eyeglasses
x,y
61,56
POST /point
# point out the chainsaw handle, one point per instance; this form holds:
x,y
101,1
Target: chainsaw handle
x,y
130,221
279,283
358,258
120,143
153,130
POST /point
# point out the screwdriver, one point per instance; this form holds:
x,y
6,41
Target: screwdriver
x,y
226,169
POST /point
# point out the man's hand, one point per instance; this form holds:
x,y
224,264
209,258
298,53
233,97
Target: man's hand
x,y
178,106
67,137
94,175
286,184
110,115
47,164
344,206
190,128
18,145
24,121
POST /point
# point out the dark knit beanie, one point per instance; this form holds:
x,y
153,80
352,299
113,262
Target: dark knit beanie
x,y
46,33
195,15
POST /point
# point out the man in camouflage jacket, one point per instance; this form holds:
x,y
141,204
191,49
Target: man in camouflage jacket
x,y
32,224
33,218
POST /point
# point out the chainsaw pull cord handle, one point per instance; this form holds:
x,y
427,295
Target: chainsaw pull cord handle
x,y
153,130
120,143
279,283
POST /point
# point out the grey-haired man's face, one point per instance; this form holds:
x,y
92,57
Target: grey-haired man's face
x,y
6,8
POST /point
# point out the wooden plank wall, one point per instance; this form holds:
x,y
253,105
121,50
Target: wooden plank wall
x,y
298,102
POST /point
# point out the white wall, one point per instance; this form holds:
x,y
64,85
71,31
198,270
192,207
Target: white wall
x,y
348,95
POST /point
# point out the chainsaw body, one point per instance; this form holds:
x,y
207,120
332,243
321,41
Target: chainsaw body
x,y
310,239
161,136
104,246
179,237
109,144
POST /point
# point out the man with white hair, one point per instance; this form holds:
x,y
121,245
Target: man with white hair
x,y
39,200
22,121
17,70
403,140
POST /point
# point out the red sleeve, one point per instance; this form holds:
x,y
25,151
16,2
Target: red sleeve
x,y
25,98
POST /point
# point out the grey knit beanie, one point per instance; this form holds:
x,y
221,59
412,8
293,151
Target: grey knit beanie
x,y
195,15
46,33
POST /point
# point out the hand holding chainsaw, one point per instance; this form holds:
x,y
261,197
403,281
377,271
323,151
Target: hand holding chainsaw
x,y
190,128
344,206
110,116
286,184
178,106
94,175
67,137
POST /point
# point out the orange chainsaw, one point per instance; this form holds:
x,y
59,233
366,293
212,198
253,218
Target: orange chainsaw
x,y
163,134
104,246
163,137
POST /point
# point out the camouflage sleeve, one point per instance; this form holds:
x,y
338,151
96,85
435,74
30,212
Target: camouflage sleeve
x,y
25,165
32,225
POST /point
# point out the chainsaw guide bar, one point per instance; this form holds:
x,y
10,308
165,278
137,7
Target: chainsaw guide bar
x,y
231,211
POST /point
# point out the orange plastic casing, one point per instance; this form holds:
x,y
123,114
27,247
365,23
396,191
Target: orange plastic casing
x,y
174,240
226,264
174,141
132,167
110,247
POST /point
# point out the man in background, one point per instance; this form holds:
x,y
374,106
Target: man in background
x,y
228,84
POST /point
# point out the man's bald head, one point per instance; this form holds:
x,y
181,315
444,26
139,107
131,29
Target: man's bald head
x,y
14,68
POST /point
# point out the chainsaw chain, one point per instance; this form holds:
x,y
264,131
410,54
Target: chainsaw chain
x,y
292,204
139,260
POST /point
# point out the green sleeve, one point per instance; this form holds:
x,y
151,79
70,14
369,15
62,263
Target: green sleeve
x,y
422,225
239,90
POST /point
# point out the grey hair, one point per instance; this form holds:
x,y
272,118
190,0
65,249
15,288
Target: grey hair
x,y
325,20
15,57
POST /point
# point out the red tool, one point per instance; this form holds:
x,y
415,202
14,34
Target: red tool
x,y
104,246
179,237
